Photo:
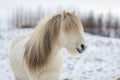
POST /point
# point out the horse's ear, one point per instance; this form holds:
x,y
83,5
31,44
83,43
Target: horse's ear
x,y
73,12
64,14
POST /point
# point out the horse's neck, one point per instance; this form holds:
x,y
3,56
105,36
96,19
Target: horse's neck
x,y
56,51
56,59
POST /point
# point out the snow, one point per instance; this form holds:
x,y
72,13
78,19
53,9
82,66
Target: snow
x,y
101,60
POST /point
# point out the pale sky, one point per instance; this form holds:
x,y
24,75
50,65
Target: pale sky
x,y
98,6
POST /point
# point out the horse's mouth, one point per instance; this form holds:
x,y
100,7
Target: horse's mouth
x,y
79,51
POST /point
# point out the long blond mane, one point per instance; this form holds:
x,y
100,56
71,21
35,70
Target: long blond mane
x,y
41,43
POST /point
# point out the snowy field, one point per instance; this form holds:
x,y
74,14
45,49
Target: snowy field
x,y
101,60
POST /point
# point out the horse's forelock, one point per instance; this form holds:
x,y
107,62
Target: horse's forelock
x,y
72,22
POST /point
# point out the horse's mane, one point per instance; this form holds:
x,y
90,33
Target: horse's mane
x,y
41,43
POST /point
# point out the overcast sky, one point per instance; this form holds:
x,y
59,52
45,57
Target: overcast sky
x,y
98,6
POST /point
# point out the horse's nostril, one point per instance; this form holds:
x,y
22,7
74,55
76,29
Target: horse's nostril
x,y
83,46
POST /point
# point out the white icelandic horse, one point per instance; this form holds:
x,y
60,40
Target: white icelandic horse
x,y
38,56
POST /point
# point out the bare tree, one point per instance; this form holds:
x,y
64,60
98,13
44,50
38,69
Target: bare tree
x,y
108,24
116,28
90,23
100,24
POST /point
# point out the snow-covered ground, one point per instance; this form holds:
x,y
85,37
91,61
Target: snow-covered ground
x,y
101,60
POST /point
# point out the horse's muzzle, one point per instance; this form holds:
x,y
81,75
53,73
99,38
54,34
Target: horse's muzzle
x,y
82,48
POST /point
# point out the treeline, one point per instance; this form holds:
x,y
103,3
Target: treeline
x,y
26,18
100,25
104,25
